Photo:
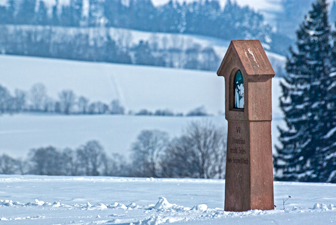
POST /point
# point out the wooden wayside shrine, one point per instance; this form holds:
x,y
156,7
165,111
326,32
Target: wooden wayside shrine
x,y
248,109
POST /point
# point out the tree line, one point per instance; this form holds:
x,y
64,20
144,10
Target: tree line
x,y
198,153
105,45
308,142
205,17
36,100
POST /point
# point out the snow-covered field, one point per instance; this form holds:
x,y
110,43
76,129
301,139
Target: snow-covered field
x,y
104,200
20,133
137,87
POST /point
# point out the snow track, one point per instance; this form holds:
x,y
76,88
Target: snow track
x,y
161,213
104,200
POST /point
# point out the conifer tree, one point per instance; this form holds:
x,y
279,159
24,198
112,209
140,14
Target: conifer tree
x,y
42,14
170,17
3,14
26,13
113,10
76,8
304,101
54,16
95,13
10,11
329,139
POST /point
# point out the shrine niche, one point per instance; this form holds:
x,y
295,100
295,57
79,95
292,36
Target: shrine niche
x,y
239,90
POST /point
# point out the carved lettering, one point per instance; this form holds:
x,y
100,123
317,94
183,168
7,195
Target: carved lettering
x,y
239,141
242,151
238,150
234,150
240,161
238,130
244,161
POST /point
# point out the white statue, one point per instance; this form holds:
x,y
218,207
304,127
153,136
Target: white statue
x,y
239,90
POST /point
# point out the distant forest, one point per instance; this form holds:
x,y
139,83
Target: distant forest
x,y
36,100
29,27
199,17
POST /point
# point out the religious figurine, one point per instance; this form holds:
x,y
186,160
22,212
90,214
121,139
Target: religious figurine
x,y
239,90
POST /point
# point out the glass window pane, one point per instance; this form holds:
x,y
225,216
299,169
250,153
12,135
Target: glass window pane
x,y
239,90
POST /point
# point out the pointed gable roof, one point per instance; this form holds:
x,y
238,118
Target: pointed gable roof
x,y
251,56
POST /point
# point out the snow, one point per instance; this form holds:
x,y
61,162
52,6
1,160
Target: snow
x,y
147,201
331,176
330,133
184,41
137,87
251,53
20,133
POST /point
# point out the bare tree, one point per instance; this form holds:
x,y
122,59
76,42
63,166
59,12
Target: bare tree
x,y
164,43
115,166
3,39
146,152
19,100
38,95
154,42
90,158
49,105
98,108
70,163
8,165
46,161
175,51
83,105
5,99
116,108
123,38
199,111
67,100
192,57
22,166
199,153
210,61
179,159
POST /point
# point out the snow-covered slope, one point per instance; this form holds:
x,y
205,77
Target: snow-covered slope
x,y
184,41
103,200
136,87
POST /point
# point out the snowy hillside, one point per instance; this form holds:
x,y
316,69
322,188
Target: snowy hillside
x,y
136,87
183,41
92,200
